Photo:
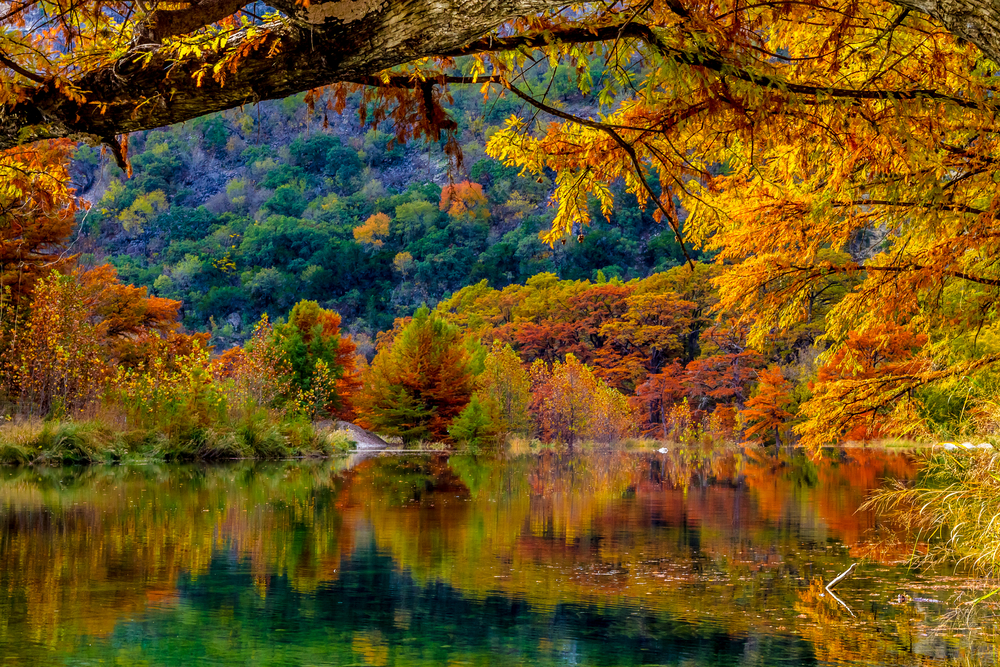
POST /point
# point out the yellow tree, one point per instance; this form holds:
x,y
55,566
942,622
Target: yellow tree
x,y
374,231
55,362
572,404
505,389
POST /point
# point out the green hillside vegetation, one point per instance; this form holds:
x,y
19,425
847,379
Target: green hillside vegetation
x,y
248,211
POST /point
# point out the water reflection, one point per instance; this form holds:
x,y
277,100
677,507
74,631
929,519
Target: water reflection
x,y
613,559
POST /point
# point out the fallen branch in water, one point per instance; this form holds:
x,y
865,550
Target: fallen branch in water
x,y
829,587
839,577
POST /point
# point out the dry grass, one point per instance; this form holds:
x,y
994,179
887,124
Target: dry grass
x,y
21,433
953,508
18,441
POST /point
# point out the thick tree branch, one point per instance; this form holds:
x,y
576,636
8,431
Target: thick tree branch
x,y
170,22
328,42
324,43
977,21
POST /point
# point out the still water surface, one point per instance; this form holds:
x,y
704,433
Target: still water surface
x,y
615,559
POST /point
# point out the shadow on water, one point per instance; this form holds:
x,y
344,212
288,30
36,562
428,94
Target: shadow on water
x,y
687,558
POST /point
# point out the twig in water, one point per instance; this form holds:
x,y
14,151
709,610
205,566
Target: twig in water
x,y
836,580
839,577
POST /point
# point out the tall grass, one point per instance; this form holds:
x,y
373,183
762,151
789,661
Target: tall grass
x,y
951,511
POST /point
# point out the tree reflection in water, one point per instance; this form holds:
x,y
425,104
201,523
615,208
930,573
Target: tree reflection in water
x,y
616,558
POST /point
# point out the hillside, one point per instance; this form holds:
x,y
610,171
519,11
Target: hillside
x,y
251,210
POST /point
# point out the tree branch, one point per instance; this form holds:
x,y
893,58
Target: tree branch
x,y
332,41
624,145
168,23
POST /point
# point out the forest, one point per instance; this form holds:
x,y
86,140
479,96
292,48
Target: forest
x,y
662,319
157,311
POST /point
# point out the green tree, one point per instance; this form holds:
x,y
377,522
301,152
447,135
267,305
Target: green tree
x,y
312,335
473,426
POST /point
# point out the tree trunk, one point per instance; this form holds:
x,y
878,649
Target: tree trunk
x,y
976,21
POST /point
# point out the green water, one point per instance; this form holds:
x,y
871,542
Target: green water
x,y
613,559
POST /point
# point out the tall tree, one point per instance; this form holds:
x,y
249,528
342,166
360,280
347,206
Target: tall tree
x,y
310,338
419,381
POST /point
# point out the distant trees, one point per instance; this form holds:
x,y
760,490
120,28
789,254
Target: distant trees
x,y
505,390
766,412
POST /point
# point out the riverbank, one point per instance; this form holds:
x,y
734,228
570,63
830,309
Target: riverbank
x,y
263,437
98,441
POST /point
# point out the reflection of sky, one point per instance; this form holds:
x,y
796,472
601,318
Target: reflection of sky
x,y
649,553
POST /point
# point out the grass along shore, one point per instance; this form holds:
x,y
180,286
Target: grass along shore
x,y
38,442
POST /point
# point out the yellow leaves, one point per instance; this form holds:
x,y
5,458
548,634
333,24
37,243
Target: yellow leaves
x,y
142,210
374,231
574,404
56,356
572,202
576,182
403,262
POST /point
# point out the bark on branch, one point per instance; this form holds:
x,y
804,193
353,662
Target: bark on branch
x,y
328,42
977,21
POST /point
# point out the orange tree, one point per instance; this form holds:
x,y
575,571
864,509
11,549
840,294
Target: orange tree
x,y
419,381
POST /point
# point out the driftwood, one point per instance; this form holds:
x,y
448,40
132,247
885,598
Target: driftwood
x,y
837,580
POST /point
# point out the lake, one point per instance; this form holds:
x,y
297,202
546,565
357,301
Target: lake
x,y
687,558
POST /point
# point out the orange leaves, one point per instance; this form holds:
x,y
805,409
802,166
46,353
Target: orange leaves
x,y
125,310
464,201
767,409
572,404
866,387
36,214
419,381
374,231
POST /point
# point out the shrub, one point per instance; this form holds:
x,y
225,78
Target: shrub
x,y
473,427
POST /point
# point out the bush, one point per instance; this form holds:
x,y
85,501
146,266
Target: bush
x,y
74,443
473,428
12,454
260,439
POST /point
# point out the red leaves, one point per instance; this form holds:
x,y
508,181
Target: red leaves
x,y
767,409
